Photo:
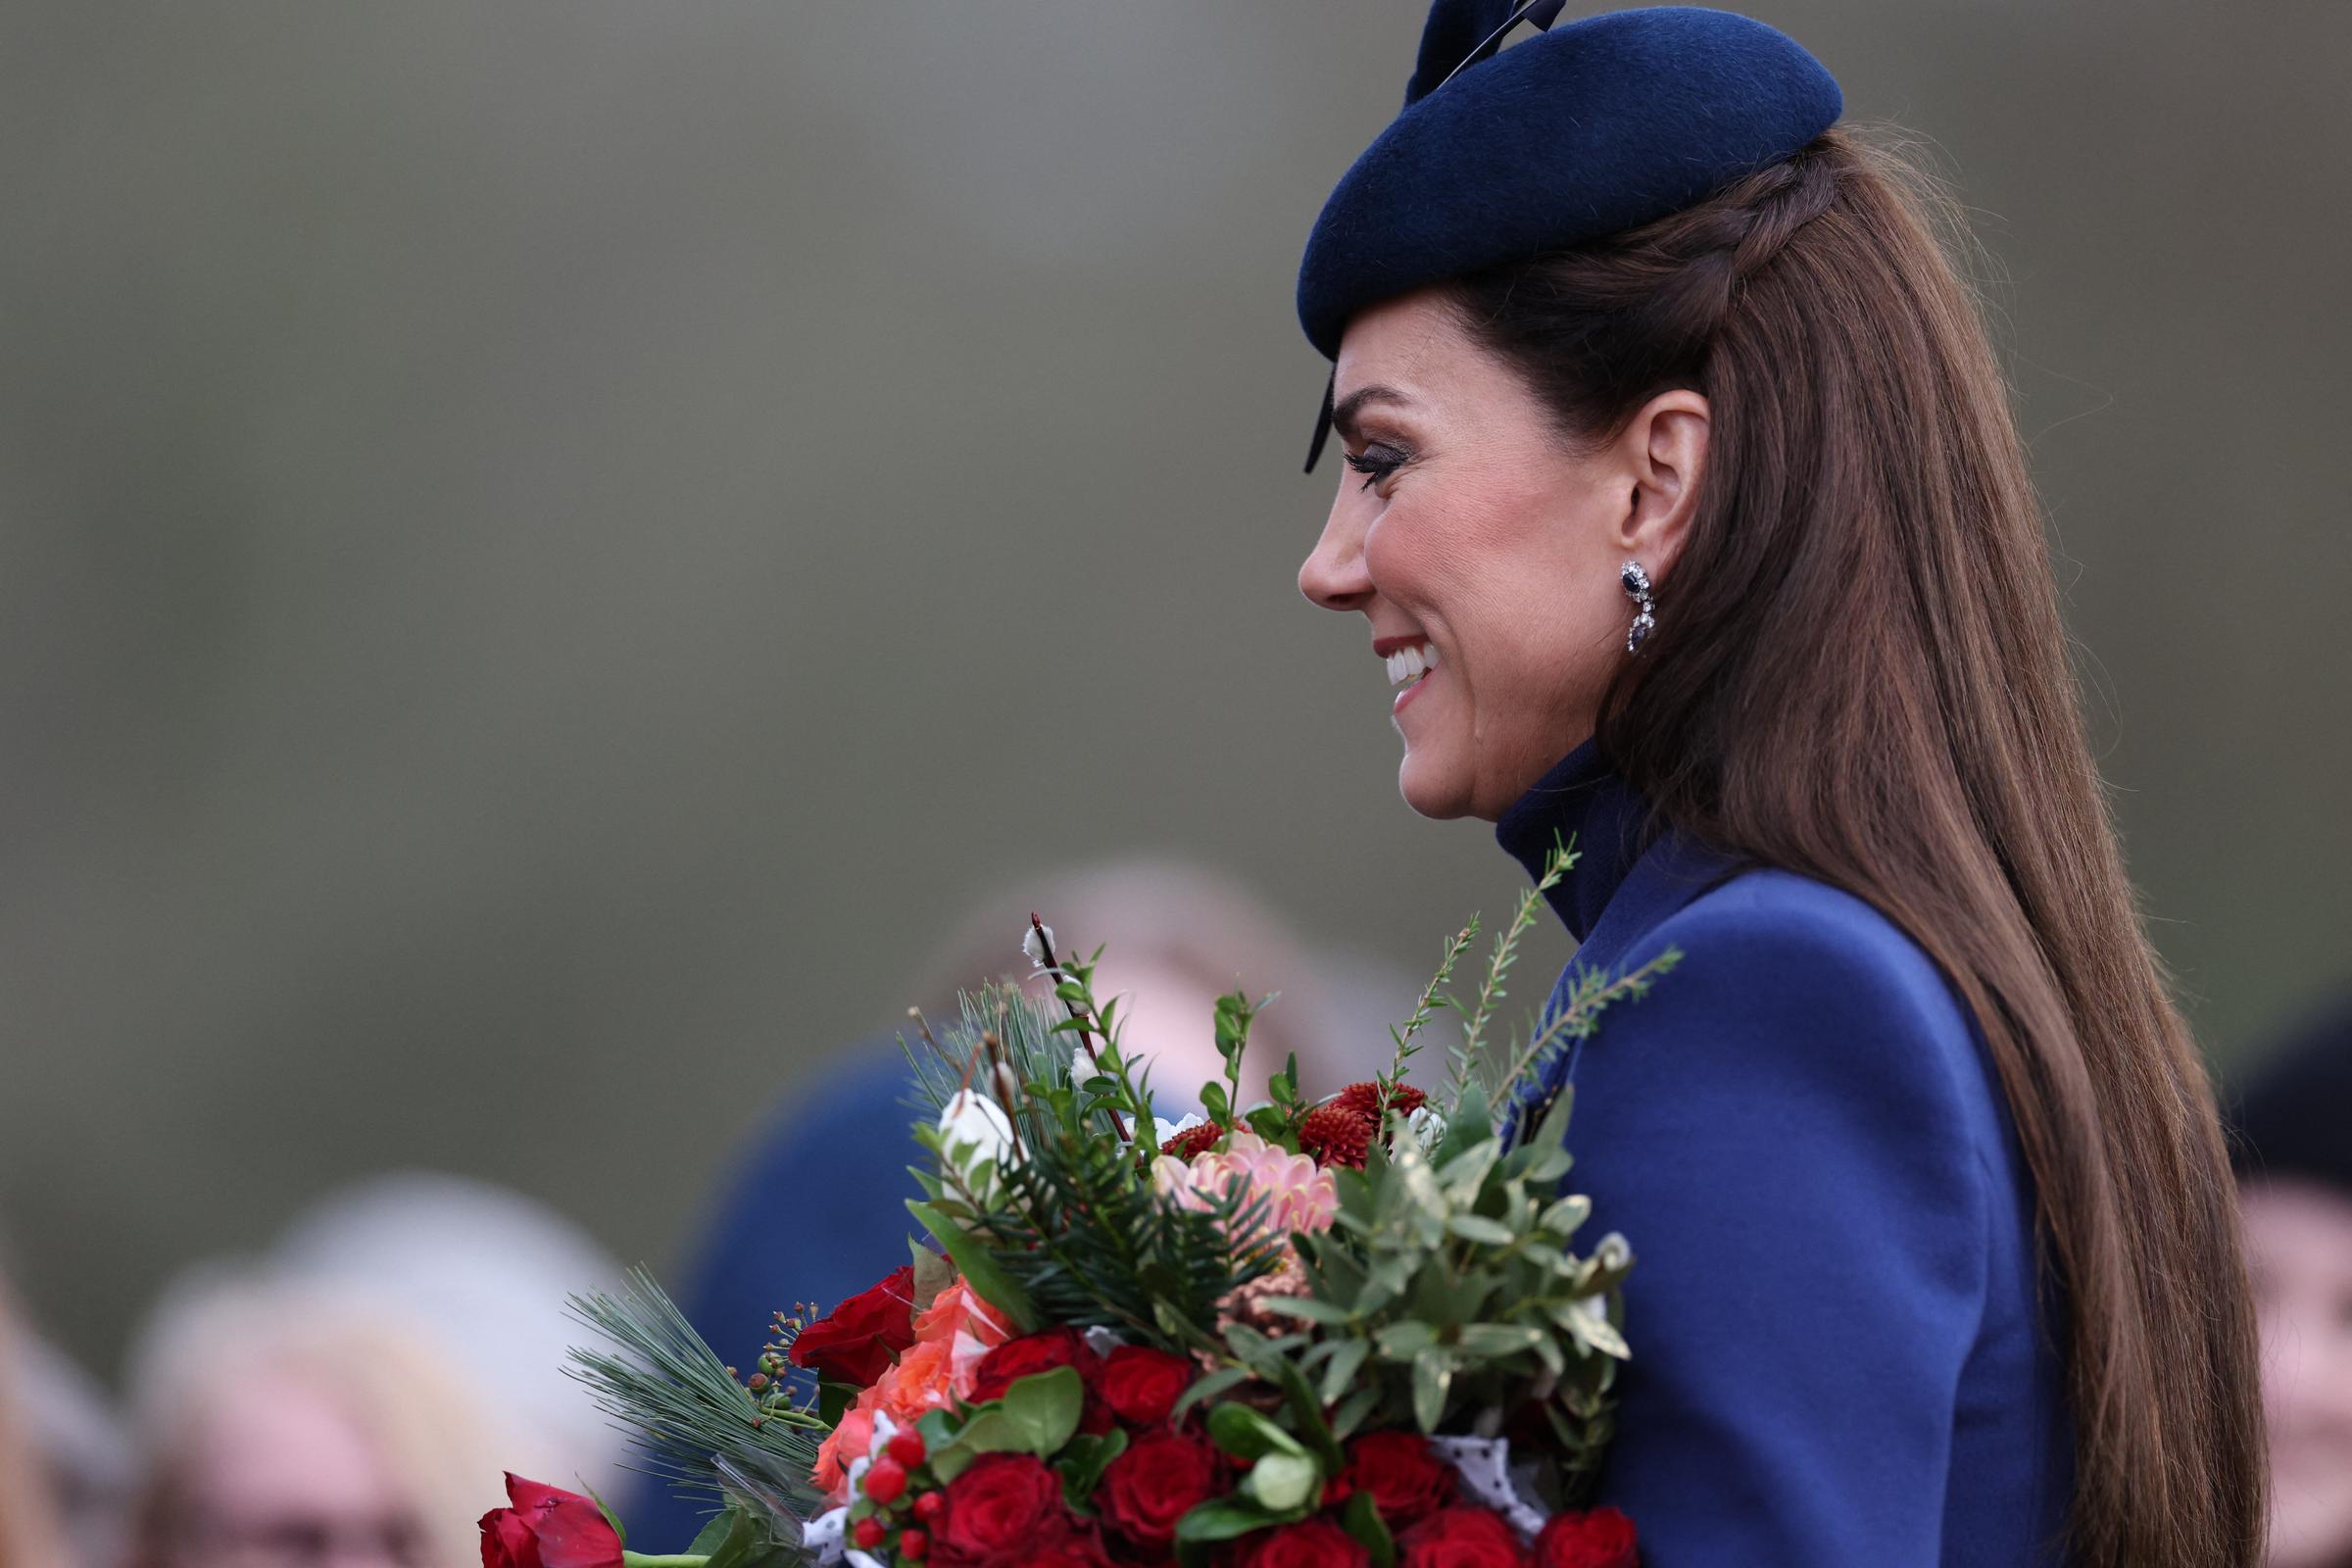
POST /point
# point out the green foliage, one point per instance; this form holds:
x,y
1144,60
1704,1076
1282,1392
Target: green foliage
x,y
1446,1296
1065,1227
1036,1415
695,1423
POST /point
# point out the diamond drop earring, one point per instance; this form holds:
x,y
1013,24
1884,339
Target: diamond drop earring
x,y
1637,588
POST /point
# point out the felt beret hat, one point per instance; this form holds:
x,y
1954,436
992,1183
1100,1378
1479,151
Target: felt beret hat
x,y
1580,133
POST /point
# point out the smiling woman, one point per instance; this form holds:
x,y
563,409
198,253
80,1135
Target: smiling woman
x,y
1677,449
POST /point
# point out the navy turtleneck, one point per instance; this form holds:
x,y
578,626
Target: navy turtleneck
x,y
1581,803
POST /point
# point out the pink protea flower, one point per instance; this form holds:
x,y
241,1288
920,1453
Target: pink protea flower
x,y
1299,1195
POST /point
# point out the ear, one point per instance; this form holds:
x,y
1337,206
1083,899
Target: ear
x,y
1665,451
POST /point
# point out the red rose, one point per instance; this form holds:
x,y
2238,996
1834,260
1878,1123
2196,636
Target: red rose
x,y
1001,1368
1311,1543
547,1528
1077,1549
1460,1537
1141,1384
1600,1539
1150,1485
856,1343
1001,1510
1406,1478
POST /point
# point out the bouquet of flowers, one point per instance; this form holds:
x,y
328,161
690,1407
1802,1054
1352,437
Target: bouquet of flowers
x,y
1308,1332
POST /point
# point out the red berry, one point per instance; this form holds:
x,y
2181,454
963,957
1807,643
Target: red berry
x,y
867,1533
930,1505
885,1480
912,1543
907,1447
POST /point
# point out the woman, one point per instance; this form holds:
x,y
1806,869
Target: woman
x,y
1677,449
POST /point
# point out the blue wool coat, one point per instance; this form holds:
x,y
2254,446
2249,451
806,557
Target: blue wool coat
x,y
1841,1355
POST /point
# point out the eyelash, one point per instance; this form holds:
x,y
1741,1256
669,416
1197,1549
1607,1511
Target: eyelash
x,y
1375,469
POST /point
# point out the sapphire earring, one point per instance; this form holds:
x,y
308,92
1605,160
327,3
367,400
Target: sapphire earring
x,y
1637,588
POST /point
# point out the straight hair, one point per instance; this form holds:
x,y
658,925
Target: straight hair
x,y
1859,675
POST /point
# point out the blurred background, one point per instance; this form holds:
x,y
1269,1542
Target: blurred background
x,y
549,550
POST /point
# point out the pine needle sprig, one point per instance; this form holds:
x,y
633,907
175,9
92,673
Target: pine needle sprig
x,y
687,1413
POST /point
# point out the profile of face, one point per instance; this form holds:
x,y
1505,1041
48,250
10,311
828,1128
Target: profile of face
x,y
2299,1251
1484,545
279,1476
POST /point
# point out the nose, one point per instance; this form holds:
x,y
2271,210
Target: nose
x,y
1332,575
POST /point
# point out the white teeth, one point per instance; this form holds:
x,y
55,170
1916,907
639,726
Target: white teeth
x,y
1409,664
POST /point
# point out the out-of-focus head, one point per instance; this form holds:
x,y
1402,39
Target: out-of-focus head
x,y
354,1397
1179,936
292,1428
2294,1160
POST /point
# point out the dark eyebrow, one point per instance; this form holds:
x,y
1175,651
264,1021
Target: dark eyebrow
x,y
1344,412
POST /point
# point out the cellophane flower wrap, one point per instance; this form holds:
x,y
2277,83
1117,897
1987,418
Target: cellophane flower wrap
x,y
1316,1331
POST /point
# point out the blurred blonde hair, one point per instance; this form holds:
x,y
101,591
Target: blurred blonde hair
x,y
444,1449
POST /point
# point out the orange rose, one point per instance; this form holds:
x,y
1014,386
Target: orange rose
x,y
849,1440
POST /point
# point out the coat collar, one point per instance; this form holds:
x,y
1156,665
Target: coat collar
x,y
1582,803
1629,872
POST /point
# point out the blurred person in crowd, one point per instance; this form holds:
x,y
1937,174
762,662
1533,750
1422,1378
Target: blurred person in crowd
x,y
817,1209
354,1398
31,1535
78,1444
2294,1160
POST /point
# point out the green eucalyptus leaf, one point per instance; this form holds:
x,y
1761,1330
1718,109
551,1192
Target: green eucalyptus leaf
x,y
1361,1519
1496,1340
1208,1388
1283,1483
1083,1462
1567,1216
1351,1412
1223,1518
1433,1378
1312,1310
1247,1435
1465,1173
1403,1341
1346,1359
1478,1228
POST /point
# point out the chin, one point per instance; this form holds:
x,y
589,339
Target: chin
x,y
1432,791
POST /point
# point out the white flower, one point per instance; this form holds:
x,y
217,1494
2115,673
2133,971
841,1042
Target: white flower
x,y
1163,1128
973,1133
1427,1124
1614,1253
1082,1068
1031,948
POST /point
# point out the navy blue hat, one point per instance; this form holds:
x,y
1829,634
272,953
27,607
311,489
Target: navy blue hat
x,y
1582,132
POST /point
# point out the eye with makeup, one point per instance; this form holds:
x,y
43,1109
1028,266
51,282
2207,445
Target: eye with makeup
x,y
1377,462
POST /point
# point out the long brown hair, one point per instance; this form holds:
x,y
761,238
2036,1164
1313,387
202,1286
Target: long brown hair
x,y
1859,675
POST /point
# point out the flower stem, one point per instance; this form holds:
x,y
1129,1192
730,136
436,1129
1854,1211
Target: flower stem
x,y
682,1559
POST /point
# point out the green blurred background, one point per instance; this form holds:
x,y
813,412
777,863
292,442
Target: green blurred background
x,y
551,549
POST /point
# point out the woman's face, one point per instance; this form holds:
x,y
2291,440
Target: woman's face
x,y
2299,1245
279,1476
1483,547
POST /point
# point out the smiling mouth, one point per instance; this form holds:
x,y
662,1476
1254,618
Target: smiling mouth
x,y
1410,665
